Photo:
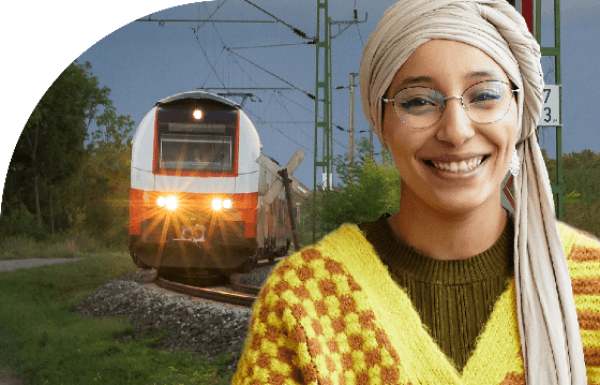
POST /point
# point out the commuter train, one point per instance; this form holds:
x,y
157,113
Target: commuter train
x,y
195,204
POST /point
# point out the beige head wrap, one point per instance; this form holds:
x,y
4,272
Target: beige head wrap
x,y
550,339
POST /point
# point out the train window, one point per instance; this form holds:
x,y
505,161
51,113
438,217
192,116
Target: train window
x,y
196,143
206,153
216,128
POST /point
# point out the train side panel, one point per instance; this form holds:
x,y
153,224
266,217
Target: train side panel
x,y
142,151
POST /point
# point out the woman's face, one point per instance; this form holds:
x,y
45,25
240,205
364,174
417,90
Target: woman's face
x,y
430,159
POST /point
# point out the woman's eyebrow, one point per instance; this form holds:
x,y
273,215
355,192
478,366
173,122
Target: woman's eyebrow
x,y
414,80
410,81
482,74
428,79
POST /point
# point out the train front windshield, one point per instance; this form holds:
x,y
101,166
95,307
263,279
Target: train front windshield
x,y
196,136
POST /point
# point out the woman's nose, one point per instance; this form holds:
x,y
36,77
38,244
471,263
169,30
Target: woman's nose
x,y
455,127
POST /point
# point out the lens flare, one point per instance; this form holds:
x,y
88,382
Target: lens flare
x,y
171,203
217,204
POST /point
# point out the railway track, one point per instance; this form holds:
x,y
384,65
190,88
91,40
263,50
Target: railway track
x,y
219,293
234,293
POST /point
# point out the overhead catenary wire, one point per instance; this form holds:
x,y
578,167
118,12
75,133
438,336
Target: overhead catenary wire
x,y
297,31
235,54
211,14
266,107
162,22
249,61
223,44
245,73
360,36
272,45
290,115
270,73
208,60
281,132
252,80
259,119
357,26
312,112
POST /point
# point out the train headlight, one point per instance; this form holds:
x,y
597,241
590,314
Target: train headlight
x,y
197,114
161,201
227,204
171,203
217,204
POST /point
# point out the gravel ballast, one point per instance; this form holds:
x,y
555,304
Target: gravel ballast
x,y
257,277
204,327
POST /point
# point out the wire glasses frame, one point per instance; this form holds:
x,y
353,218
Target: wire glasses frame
x,y
483,102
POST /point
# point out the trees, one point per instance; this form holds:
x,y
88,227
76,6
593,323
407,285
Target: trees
x,y
51,163
50,146
107,173
581,173
367,190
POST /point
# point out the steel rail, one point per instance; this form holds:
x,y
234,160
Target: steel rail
x,y
206,293
245,296
242,288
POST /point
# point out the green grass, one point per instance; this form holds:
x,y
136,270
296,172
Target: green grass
x,y
45,342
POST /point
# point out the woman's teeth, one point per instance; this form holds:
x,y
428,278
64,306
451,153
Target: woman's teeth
x,y
463,166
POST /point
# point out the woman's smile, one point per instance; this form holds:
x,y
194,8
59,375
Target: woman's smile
x,y
461,166
440,171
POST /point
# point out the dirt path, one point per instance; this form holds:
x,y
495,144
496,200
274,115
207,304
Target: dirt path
x,y
7,377
16,264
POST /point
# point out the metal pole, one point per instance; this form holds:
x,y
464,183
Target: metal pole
x,y
322,99
554,52
330,109
372,150
288,197
351,123
558,77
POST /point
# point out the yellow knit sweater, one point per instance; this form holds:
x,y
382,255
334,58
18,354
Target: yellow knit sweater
x,y
332,314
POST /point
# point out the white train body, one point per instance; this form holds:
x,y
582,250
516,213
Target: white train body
x,y
195,185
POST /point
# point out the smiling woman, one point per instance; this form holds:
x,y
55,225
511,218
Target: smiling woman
x,y
451,289
452,165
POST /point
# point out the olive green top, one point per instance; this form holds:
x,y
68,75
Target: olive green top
x,y
454,298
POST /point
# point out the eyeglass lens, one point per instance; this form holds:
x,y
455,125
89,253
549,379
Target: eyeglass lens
x,y
421,107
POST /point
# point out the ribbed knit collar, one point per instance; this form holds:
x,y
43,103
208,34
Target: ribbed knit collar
x,y
402,258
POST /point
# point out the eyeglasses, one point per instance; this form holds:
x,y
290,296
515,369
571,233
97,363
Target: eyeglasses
x,y
421,107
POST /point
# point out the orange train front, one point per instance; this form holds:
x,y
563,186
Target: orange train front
x,y
194,187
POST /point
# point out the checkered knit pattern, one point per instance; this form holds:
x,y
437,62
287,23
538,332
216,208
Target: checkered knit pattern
x,y
583,259
331,314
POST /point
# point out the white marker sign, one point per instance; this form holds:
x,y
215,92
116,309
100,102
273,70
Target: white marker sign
x,y
551,109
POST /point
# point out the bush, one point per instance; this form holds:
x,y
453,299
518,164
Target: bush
x,y
368,190
584,216
21,222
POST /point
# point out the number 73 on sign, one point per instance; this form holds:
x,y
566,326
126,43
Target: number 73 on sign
x,y
551,109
